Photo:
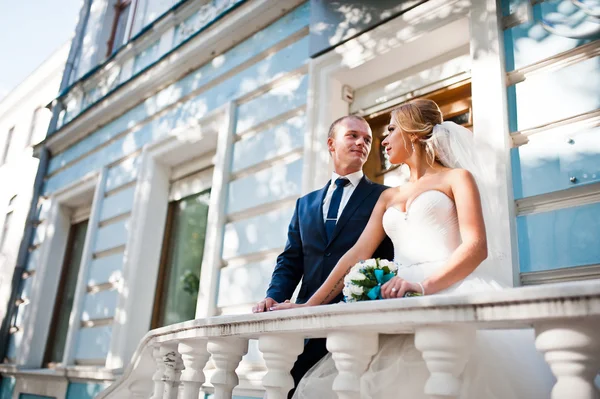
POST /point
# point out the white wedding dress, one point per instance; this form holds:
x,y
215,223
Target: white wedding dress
x,y
504,364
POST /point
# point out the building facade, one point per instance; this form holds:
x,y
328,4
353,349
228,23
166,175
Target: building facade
x,y
24,120
187,130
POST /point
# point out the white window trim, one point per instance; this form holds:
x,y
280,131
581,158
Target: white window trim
x,y
47,277
142,256
52,386
342,66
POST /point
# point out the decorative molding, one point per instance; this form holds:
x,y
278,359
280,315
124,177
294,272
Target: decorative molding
x,y
115,219
112,251
97,322
301,110
219,37
147,221
95,288
262,209
576,196
567,274
556,62
570,125
39,311
279,160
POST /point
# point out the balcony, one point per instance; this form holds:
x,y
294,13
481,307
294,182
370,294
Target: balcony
x,y
169,361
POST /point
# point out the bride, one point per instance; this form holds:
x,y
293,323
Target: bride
x,y
437,223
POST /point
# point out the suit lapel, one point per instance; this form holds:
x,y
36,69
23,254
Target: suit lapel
x,y
361,192
320,197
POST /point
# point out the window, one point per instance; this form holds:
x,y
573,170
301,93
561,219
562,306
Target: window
x,y
117,34
7,145
183,248
6,224
66,293
147,11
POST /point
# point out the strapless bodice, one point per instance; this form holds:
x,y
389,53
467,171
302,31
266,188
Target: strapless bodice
x,y
426,232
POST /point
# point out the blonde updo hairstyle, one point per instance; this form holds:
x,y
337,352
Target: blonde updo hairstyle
x,y
417,118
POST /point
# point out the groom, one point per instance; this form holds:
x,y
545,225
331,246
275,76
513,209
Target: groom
x,y
325,225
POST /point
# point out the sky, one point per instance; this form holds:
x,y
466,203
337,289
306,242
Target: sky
x,y
30,31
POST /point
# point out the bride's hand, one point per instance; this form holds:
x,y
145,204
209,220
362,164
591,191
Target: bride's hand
x,y
287,305
397,287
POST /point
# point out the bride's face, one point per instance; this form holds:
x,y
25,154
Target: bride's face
x,y
397,144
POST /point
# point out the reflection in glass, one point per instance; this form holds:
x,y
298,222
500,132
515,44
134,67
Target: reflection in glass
x,y
66,293
182,259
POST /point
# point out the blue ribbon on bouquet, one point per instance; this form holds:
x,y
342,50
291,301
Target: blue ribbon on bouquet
x,y
382,278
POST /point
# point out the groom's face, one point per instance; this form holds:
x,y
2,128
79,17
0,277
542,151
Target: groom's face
x,y
350,145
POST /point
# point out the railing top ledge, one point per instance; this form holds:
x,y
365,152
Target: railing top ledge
x,y
510,308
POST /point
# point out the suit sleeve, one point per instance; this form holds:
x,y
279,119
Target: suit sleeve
x,y
290,264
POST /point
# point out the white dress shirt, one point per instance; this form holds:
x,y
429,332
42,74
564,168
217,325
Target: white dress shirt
x,y
348,190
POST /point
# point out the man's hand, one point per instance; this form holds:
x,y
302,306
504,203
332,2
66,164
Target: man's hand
x,y
288,305
264,305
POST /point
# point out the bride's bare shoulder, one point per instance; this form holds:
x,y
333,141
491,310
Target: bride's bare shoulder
x,y
388,195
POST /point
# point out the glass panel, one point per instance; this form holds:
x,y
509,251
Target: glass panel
x,y
148,10
66,293
184,259
120,28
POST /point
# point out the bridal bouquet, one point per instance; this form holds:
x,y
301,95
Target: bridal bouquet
x,y
365,279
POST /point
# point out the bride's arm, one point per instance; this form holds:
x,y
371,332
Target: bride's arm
x,y
473,249
369,240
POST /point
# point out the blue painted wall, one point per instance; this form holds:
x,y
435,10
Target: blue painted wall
x,y
30,396
78,390
6,387
277,51
559,160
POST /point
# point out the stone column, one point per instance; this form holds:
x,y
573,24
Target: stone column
x,y
352,352
280,352
572,349
445,350
226,354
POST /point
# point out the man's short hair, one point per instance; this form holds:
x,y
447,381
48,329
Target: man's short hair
x,y
334,125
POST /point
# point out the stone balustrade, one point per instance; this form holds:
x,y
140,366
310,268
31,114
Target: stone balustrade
x,y
169,361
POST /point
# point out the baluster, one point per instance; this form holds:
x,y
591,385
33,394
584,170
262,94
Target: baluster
x,y
158,374
572,349
280,352
173,365
226,354
352,353
446,350
194,356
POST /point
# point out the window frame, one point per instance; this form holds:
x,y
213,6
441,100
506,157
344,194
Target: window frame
x,y
66,265
120,6
7,145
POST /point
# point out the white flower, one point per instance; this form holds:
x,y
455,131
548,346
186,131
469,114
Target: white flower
x,y
371,262
391,265
356,289
347,292
356,276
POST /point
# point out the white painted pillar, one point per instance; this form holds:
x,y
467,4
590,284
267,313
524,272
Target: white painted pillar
x,y
572,349
352,352
280,352
226,354
445,350
194,356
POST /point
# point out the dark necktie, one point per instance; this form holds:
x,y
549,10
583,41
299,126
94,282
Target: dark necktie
x,y
334,205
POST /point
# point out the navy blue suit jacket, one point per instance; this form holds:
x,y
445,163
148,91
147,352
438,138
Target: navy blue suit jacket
x,y
308,255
